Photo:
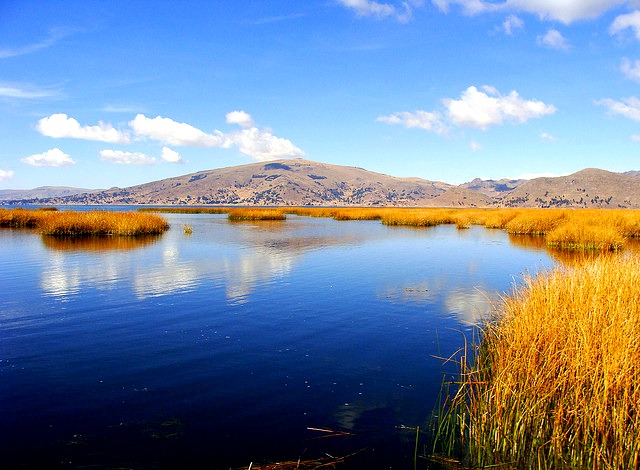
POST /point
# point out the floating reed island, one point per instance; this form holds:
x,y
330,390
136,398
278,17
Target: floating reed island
x,y
555,381
567,229
89,223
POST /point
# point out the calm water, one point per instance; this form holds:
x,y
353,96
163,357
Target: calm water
x,y
222,348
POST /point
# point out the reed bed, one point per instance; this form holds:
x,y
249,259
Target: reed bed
x,y
102,223
555,382
23,218
71,223
256,214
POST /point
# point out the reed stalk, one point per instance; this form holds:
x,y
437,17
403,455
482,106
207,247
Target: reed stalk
x,y
555,381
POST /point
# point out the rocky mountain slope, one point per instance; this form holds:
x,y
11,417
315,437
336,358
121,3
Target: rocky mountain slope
x,y
42,192
587,188
305,183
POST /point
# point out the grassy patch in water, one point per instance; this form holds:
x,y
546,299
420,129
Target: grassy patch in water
x,y
236,215
72,223
555,381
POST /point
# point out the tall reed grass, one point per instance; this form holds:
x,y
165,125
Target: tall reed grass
x,y
256,214
555,380
72,223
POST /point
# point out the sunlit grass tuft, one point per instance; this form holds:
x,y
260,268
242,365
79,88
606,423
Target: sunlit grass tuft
x,y
556,380
256,214
71,223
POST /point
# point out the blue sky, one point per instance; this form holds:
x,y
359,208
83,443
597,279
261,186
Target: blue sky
x,y
102,94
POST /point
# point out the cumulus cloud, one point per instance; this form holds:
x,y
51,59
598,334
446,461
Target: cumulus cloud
x,y
262,145
54,157
475,108
170,155
62,126
475,146
121,157
173,132
631,69
546,137
6,175
553,39
401,11
240,118
258,143
429,121
566,11
487,107
626,21
511,24
627,107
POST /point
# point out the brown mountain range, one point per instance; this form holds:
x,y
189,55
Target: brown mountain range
x,y
305,183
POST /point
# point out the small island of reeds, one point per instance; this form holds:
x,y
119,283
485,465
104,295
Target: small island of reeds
x,y
89,223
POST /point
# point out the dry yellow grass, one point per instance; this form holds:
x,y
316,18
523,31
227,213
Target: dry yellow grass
x,y
556,383
256,214
71,223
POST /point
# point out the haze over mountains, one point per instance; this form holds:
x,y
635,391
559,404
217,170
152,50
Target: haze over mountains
x,y
301,182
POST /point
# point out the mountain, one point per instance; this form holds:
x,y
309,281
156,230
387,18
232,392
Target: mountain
x,y
284,182
587,188
493,188
43,192
305,183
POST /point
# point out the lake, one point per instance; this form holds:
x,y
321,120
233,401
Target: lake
x,y
239,344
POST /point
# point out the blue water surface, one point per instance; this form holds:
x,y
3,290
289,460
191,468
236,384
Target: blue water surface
x,y
239,344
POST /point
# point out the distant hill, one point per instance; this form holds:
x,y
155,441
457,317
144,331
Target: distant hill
x,y
493,188
587,188
305,183
43,192
285,182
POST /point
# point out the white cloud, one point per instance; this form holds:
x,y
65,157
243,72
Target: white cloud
x,y
174,133
402,11
554,40
170,155
566,11
626,21
6,175
262,145
475,146
627,107
511,24
546,137
475,108
126,158
635,138
429,121
482,109
259,144
54,157
61,126
241,118
630,69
